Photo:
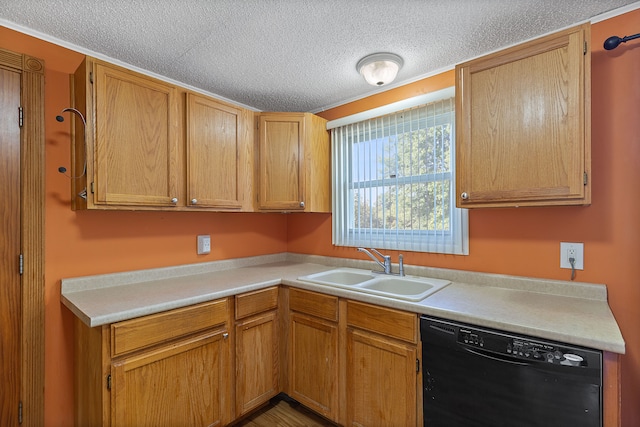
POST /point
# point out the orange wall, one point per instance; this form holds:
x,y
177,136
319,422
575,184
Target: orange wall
x,y
521,241
526,241
90,242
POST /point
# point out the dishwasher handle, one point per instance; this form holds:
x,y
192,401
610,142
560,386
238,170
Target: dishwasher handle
x,y
496,358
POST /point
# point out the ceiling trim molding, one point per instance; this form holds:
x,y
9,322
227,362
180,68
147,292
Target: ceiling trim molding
x,y
54,40
615,12
399,83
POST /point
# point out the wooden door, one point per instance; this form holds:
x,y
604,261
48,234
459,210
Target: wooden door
x,y
313,371
217,154
136,139
10,296
282,183
182,384
381,381
257,360
523,124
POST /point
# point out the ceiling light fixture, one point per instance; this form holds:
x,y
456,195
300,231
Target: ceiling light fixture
x,y
379,69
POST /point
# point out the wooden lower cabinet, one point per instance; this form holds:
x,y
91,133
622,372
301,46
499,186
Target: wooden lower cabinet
x,y
257,350
382,366
381,381
314,351
166,369
351,362
178,385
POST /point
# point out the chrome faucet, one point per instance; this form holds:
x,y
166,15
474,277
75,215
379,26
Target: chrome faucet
x,y
386,261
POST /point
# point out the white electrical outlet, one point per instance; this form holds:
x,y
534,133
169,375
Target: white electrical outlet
x,y
572,250
204,244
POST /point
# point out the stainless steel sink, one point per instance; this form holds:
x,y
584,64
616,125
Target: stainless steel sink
x,y
409,288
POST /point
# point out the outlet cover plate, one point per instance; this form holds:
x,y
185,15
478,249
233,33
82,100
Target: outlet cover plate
x,y
578,248
204,244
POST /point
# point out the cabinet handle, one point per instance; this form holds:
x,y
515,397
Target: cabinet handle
x,y
464,196
174,200
194,201
225,335
302,204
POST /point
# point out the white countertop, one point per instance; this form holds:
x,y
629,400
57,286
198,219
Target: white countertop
x,y
575,313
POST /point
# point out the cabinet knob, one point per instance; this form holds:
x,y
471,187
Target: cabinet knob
x,y
225,335
302,204
464,196
194,201
174,200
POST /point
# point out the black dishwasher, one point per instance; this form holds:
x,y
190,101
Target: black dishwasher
x,y
480,377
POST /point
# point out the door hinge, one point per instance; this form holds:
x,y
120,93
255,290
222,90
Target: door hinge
x,y
21,264
20,116
91,77
20,412
109,382
417,365
92,189
585,178
584,50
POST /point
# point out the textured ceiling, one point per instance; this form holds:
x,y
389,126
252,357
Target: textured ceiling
x,y
293,55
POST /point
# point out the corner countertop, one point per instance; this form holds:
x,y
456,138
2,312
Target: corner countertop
x,y
575,313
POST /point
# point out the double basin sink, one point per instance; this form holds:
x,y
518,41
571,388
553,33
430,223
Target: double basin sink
x,y
409,288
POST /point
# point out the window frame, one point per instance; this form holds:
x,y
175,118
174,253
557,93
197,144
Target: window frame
x,y
455,238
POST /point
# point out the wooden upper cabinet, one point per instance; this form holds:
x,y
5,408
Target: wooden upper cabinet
x,y
135,139
219,155
523,124
152,145
294,165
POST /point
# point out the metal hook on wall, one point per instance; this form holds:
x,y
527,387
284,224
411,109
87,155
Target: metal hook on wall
x,y
62,169
613,41
59,118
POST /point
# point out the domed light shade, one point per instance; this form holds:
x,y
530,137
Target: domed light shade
x,y
379,69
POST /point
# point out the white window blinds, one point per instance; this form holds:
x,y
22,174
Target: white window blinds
x,y
393,182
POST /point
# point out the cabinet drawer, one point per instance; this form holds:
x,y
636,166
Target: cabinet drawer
x,y
256,302
146,331
386,321
313,303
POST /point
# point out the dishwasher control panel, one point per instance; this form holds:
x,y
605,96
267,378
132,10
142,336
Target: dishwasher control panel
x,y
519,348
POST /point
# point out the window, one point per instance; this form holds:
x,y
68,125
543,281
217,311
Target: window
x,y
394,181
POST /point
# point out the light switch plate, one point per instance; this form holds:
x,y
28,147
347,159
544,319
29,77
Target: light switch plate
x,y
204,244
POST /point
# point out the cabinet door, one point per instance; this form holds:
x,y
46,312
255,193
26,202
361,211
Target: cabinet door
x,y
523,124
256,361
218,154
136,139
313,364
281,166
381,381
182,384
